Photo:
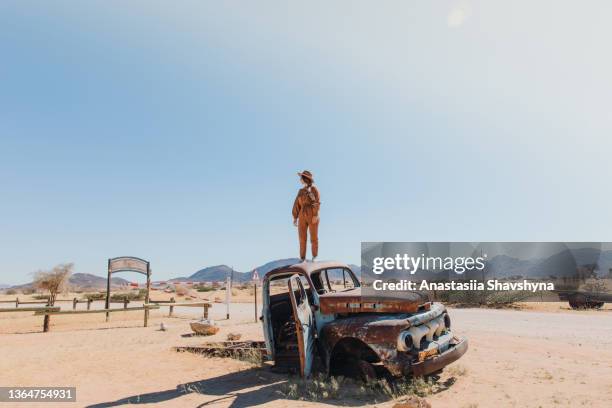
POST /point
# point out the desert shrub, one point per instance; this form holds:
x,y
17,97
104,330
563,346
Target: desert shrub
x,y
456,370
95,296
131,296
234,292
181,290
53,281
28,291
205,289
10,292
595,286
41,297
490,298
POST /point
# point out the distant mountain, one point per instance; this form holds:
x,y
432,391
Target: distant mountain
x,y
214,273
503,266
87,280
220,272
562,264
208,274
82,281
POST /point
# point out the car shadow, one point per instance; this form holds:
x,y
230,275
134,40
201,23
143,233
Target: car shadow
x,y
244,389
235,385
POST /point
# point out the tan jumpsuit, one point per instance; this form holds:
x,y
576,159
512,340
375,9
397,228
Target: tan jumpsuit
x,y
304,210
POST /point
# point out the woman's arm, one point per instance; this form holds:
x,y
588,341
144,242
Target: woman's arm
x,y
296,209
317,202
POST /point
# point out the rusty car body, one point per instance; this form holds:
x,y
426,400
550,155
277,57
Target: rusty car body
x,y
316,309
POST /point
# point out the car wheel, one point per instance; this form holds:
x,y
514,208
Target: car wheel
x,y
367,372
595,305
577,302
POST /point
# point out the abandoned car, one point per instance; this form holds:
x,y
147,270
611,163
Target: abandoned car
x,y
314,313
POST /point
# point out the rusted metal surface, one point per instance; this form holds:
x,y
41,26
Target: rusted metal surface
x,y
437,362
378,332
352,301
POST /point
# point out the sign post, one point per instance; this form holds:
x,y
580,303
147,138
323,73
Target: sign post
x,y
228,295
255,279
108,282
129,264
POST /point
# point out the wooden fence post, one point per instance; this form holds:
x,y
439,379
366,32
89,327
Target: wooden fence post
x,y
46,321
125,303
206,312
16,302
171,307
74,303
89,303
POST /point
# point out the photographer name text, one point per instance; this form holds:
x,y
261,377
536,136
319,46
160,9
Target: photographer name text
x,y
492,284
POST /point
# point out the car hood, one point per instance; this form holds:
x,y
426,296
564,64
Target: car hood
x,y
353,301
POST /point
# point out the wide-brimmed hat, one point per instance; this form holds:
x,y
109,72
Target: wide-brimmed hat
x,y
306,174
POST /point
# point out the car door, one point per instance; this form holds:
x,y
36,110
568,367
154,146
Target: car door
x,y
304,324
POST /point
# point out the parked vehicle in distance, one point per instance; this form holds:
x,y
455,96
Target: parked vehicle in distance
x,y
584,299
316,310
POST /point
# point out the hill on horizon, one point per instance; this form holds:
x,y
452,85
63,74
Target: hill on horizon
x,y
220,272
81,281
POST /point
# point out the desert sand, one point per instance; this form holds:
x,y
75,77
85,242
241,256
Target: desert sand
x,y
542,356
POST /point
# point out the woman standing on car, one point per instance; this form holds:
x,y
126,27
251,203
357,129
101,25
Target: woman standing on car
x,y
306,214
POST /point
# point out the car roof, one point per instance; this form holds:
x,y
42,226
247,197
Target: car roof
x,y
308,267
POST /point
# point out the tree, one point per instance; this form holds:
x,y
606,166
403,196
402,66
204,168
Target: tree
x,y
53,282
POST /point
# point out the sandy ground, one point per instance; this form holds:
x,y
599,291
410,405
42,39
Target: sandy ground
x,y
542,356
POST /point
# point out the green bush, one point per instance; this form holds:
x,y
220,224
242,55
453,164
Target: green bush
x,y
205,289
95,296
140,295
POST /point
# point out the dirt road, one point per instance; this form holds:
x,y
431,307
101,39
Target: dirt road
x,y
532,359
516,359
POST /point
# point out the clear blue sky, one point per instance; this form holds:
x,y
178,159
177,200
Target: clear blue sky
x,y
172,131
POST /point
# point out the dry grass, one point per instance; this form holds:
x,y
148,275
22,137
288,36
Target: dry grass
x,y
322,388
233,336
456,370
181,290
